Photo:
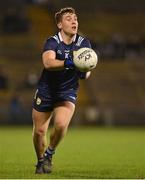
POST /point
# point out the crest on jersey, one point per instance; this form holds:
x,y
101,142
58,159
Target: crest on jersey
x,y
38,101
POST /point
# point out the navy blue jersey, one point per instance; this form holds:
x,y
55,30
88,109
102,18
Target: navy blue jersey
x,y
61,80
61,85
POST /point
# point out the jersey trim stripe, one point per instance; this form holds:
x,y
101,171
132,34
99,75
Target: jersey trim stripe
x,y
80,39
56,38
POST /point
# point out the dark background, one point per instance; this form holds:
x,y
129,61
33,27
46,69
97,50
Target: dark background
x,y
115,93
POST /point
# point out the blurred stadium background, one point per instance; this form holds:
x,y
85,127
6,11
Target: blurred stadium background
x,y
115,93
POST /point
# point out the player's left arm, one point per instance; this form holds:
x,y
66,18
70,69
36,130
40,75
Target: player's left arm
x,y
85,75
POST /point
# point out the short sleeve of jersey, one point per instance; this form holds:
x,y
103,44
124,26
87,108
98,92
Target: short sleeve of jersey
x,y
86,43
50,44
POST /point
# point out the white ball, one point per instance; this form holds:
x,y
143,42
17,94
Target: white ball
x,y
85,59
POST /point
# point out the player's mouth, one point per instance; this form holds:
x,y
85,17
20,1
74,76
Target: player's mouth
x,y
74,28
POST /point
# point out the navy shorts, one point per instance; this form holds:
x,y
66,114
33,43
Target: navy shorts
x,y
46,102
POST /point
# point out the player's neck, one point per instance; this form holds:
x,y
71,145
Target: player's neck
x,y
67,38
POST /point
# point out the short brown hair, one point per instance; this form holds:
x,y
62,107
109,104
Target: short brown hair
x,y
59,14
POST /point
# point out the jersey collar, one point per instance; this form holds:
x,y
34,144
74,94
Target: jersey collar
x,y
60,37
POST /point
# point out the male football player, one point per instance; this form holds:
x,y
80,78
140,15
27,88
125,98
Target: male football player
x,y
56,94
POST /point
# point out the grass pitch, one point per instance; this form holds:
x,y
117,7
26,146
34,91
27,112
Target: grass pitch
x,y
93,153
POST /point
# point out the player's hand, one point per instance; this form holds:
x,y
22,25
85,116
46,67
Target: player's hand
x,y
84,75
68,63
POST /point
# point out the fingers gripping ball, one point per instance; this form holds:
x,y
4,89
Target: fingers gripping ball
x,y
68,63
85,59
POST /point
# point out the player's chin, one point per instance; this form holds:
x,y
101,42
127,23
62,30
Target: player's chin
x,y
73,32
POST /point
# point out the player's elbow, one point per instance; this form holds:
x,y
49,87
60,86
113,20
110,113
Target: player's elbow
x,y
47,64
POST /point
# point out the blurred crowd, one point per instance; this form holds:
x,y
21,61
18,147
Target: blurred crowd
x,y
28,82
4,84
115,47
119,47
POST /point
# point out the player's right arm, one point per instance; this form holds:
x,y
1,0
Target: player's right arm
x,y
49,57
50,62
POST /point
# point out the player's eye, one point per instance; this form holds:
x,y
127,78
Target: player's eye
x,y
75,19
68,18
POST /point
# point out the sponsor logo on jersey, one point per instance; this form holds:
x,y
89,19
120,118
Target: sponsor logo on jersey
x,y
66,54
59,51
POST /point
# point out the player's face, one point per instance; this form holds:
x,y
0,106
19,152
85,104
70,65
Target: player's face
x,y
69,24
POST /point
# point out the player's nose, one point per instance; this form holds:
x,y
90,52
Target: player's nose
x,y
74,21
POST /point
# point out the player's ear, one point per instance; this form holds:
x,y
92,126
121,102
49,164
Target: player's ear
x,y
59,25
